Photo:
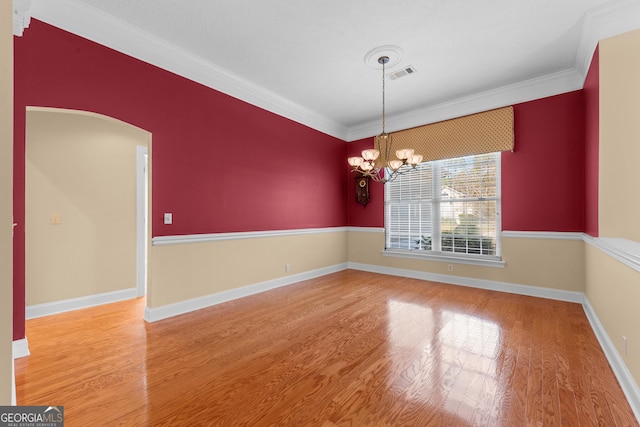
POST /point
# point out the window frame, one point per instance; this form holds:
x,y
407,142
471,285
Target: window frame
x,y
436,203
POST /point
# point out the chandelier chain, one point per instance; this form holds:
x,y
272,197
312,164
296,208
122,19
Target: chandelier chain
x,y
383,60
377,163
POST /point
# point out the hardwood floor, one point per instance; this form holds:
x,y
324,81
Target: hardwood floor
x,y
348,349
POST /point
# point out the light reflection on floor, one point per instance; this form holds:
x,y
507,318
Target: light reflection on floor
x,y
464,367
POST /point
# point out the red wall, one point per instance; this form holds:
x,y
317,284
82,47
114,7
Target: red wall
x,y
219,164
371,215
196,129
542,180
592,144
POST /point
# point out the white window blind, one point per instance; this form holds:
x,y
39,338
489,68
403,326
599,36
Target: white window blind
x,y
447,207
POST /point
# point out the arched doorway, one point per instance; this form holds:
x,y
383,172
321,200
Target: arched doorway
x,y
85,242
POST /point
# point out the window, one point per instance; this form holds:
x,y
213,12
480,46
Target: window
x,y
446,208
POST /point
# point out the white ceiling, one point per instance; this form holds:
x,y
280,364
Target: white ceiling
x,y
304,59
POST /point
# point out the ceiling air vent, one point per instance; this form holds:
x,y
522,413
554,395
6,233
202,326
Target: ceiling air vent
x,y
401,73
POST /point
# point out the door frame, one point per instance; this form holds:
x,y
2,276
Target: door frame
x,y
142,214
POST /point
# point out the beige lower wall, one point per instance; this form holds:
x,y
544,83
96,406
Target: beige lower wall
x,y
613,289
82,167
179,272
6,201
619,174
547,263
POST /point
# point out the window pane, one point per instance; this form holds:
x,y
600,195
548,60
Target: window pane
x,y
471,229
469,177
464,210
411,225
414,185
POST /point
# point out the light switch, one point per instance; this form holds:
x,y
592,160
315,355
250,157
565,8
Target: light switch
x,y
56,218
168,218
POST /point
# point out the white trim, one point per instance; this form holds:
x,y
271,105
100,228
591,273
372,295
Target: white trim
x,y
550,235
528,90
533,291
14,401
626,380
498,207
627,383
76,17
607,20
40,310
20,348
366,229
88,22
170,310
141,220
215,237
623,250
21,16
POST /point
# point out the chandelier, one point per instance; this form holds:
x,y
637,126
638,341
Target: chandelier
x,y
377,163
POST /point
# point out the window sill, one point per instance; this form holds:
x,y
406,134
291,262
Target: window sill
x,y
451,259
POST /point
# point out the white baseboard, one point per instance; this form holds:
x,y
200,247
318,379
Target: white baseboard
x,y
626,380
170,310
627,383
20,348
533,291
56,307
13,383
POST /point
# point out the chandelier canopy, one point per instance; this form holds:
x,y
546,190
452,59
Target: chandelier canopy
x,y
380,163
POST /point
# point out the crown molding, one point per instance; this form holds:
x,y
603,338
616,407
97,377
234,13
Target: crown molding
x,y
610,19
21,16
528,90
92,24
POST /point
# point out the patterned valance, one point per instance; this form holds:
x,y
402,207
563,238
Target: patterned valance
x,y
480,133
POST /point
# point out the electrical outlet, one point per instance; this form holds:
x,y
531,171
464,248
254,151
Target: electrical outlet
x,y
624,346
450,267
287,267
56,218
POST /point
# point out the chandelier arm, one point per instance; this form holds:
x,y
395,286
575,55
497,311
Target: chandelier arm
x,y
381,153
374,174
